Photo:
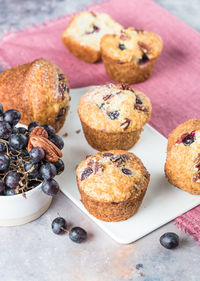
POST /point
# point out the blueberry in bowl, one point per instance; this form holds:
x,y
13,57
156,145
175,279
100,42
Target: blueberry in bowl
x,y
27,169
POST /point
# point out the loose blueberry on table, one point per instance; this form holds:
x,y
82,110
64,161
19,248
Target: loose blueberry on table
x,y
169,240
59,225
28,157
76,234
139,266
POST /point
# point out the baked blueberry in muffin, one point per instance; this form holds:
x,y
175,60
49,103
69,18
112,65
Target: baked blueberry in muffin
x,y
131,55
112,116
82,36
182,166
112,184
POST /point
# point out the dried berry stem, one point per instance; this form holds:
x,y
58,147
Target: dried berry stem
x,y
65,230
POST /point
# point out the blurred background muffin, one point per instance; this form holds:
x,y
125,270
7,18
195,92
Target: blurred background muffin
x,y
130,56
82,36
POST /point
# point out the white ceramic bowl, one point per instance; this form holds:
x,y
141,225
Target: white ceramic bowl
x,y
16,210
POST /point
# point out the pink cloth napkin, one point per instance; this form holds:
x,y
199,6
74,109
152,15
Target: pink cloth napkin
x,y
174,87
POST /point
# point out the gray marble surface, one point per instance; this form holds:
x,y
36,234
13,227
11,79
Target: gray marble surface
x,y
17,14
33,253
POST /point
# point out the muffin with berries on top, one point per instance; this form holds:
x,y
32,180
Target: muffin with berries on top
x,y
112,184
182,167
112,116
130,56
82,36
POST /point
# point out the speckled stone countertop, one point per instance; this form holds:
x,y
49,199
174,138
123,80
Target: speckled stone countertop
x,y
33,253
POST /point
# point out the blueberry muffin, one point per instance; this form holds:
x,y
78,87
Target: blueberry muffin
x,y
182,167
39,90
112,116
82,36
130,56
112,184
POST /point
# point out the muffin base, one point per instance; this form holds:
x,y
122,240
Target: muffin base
x,y
113,211
101,140
128,72
178,176
183,182
85,53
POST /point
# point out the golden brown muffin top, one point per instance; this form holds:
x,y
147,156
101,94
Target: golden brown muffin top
x,y
89,27
115,108
132,45
112,175
39,90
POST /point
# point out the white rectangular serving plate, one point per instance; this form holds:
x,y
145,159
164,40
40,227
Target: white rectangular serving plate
x,y
162,202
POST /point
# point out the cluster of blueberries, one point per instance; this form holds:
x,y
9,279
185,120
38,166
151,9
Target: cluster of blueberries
x,y
21,170
76,234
